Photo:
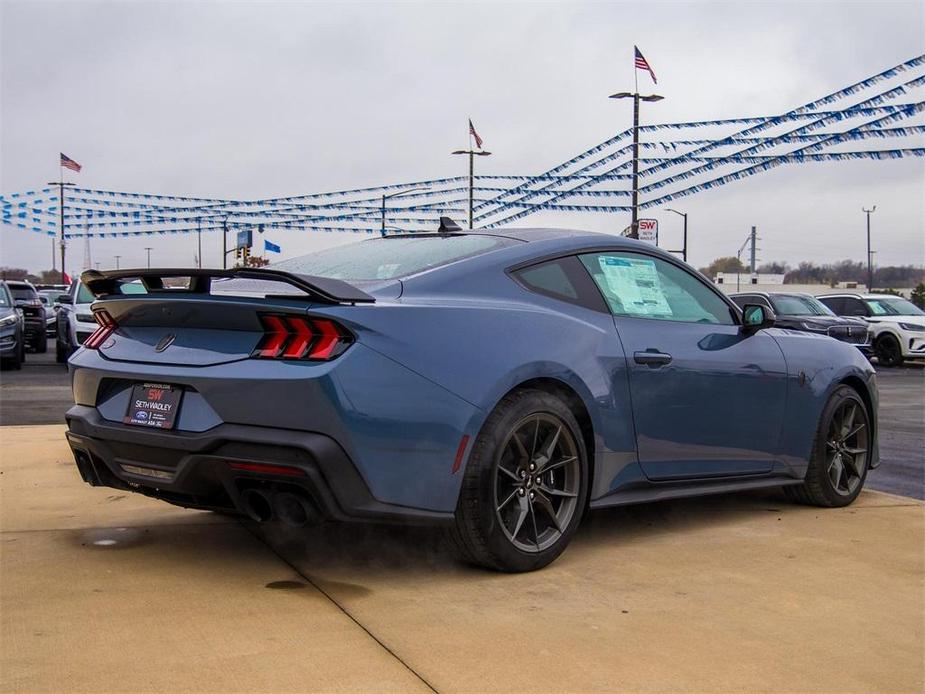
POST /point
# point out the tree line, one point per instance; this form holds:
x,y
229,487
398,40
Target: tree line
x,y
831,274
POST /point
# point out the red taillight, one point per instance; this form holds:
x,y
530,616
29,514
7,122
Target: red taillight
x,y
299,337
107,325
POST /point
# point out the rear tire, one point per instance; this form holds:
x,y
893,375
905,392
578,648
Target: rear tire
x,y
841,453
60,353
525,487
888,351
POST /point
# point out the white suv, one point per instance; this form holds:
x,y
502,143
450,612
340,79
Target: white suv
x,y
75,321
897,325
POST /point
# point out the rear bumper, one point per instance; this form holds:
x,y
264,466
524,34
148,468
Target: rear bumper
x,y
192,469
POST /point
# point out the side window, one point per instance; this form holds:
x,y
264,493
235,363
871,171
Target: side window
x,y
641,286
549,278
854,307
835,304
564,279
740,301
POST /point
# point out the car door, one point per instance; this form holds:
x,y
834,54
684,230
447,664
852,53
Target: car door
x,y
707,398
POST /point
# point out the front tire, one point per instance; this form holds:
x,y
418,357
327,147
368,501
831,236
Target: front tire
x,y
41,344
841,453
525,487
888,351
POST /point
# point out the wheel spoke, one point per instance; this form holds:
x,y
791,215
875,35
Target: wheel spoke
x,y
836,470
551,491
855,451
521,449
549,445
559,463
512,475
854,431
536,533
536,436
521,515
506,501
853,467
848,421
544,503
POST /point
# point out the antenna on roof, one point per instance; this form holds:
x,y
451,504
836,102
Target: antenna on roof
x,y
447,225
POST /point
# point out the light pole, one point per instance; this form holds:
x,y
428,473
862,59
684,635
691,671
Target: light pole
x,y
117,261
472,154
148,249
870,268
637,97
396,195
199,239
683,214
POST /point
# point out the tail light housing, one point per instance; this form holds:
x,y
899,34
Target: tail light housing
x,y
301,338
107,325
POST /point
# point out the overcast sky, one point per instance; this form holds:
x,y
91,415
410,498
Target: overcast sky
x,y
257,99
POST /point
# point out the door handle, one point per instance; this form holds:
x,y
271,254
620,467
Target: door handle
x,y
652,357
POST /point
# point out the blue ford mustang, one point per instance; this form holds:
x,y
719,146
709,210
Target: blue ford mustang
x,y
501,382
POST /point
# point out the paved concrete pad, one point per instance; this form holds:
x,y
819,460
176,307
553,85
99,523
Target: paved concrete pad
x,y
729,593
100,595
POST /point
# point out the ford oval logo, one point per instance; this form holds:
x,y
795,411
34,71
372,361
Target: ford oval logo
x,y
164,343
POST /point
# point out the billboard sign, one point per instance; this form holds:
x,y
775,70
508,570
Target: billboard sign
x,y
245,238
648,230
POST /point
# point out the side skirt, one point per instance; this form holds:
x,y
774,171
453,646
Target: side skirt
x,y
665,491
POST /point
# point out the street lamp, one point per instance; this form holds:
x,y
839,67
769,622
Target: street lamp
x,y
870,268
396,195
637,97
472,154
683,214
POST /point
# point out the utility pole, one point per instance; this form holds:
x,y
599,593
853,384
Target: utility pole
x,y
225,243
637,97
754,260
199,239
684,248
472,154
870,267
148,249
61,186
117,261
398,195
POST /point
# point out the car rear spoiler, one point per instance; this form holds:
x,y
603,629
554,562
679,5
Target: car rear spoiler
x,y
325,289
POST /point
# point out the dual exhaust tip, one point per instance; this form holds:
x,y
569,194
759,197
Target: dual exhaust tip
x,y
293,509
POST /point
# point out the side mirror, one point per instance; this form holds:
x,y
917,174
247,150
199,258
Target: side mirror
x,y
65,299
756,317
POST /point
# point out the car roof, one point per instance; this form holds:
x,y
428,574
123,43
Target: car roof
x,y
858,296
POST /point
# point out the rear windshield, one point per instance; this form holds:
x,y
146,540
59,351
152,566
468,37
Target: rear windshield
x,y
23,292
85,296
387,258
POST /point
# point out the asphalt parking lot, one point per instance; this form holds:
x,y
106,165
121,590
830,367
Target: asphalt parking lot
x,y
104,591
40,394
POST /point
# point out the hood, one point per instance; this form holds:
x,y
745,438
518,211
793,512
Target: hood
x,y
820,322
911,320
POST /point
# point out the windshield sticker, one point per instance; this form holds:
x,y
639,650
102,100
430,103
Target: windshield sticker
x,y
635,282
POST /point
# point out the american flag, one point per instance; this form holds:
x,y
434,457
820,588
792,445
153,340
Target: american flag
x,y
478,140
643,64
69,163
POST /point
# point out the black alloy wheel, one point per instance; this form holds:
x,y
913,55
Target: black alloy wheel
x,y
888,351
841,454
525,486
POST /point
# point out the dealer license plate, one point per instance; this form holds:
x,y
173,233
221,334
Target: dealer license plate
x,y
153,405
